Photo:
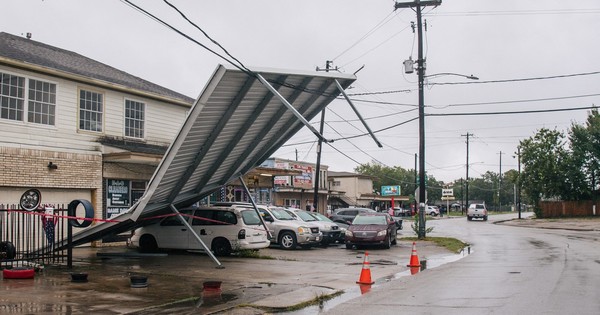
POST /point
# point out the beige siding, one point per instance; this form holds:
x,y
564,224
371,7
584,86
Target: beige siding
x,y
162,123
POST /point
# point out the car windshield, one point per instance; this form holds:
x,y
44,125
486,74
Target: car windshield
x,y
320,217
305,216
281,214
250,217
370,219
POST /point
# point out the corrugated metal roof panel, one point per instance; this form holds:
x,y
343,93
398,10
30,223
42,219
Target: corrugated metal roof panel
x,y
235,124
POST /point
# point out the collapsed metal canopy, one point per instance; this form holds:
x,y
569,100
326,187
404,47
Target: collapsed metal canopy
x,y
236,123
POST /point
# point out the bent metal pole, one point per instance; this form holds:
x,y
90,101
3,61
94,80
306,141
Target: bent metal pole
x,y
185,222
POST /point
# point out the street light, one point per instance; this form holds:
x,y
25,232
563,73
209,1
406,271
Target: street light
x,y
470,77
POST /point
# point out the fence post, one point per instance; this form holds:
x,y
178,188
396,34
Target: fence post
x,y
69,246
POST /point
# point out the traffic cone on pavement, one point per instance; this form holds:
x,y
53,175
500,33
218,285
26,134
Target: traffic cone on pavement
x,y
414,259
365,273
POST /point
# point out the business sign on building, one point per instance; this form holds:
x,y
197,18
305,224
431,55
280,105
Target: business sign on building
x,y
117,197
282,180
306,178
390,190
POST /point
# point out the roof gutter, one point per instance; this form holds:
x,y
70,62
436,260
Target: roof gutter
x,y
91,81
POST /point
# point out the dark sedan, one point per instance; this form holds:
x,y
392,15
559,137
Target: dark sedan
x,y
372,229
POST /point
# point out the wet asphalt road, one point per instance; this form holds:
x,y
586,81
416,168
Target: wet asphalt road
x,y
511,270
175,280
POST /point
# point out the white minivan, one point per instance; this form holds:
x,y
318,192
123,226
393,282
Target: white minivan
x,y
222,229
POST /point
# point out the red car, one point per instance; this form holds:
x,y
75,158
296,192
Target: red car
x,y
372,229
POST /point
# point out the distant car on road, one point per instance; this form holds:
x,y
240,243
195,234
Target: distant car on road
x,y
372,229
432,211
346,215
477,210
402,212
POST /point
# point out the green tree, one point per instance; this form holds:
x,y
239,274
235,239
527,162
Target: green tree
x,y
543,159
585,147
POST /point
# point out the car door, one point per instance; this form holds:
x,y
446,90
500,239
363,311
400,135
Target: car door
x,y
172,233
203,224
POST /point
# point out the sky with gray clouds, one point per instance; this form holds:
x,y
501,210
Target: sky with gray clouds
x,y
530,56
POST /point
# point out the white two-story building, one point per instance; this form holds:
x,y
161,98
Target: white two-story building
x,y
75,128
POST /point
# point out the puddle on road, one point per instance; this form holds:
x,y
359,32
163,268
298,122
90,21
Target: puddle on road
x,y
359,290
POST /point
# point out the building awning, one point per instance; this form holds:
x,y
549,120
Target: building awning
x,y
237,122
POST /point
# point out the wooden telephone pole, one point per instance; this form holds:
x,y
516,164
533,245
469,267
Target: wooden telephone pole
x,y
417,4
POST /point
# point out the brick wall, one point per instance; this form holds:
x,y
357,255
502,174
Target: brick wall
x,y
28,168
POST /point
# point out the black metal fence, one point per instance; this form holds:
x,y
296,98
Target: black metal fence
x,y
31,237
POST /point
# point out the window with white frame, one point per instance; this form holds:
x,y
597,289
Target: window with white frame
x,y
91,109
42,102
134,119
12,96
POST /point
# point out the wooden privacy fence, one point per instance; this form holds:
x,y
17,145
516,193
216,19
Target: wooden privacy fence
x,y
581,208
34,234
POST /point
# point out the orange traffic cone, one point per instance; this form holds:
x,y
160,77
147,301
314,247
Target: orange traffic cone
x,y
364,288
414,259
414,270
365,273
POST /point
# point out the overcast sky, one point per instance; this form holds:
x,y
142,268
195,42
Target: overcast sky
x,y
507,40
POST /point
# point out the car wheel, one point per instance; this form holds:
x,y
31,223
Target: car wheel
x,y
287,240
221,247
485,218
349,246
469,218
148,244
388,242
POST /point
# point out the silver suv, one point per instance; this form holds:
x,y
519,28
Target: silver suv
x,y
331,231
287,231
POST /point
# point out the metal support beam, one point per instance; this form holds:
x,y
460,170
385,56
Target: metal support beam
x,y
289,106
339,86
255,207
185,222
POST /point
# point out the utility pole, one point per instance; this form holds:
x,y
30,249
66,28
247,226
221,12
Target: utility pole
x,y
416,208
500,183
319,146
519,181
417,4
467,176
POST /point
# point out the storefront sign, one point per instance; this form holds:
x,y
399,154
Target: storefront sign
x,y
390,190
117,193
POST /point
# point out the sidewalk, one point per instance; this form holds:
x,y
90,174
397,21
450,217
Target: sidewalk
x,y
573,224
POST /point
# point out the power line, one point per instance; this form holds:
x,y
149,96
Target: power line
x,y
369,33
518,80
515,112
519,12
515,101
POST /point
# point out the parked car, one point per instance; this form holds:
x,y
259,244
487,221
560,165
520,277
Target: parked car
x,y
330,230
342,226
346,215
222,229
288,232
477,210
372,229
432,211
402,212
